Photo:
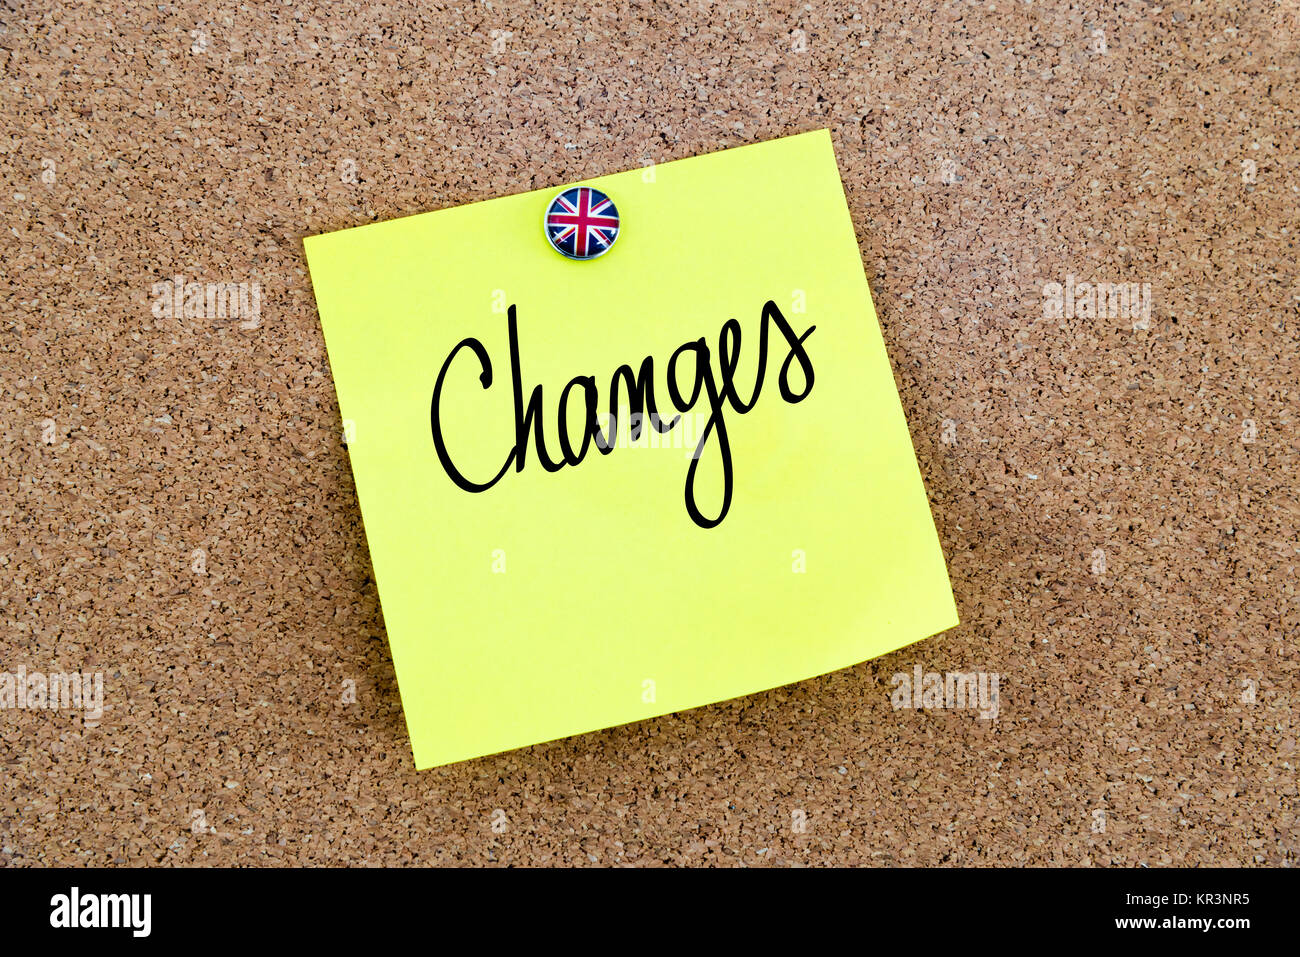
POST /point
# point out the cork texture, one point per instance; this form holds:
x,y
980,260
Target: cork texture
x,y
1114,486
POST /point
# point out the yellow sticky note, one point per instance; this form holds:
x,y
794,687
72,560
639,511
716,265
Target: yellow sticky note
x,y
536,587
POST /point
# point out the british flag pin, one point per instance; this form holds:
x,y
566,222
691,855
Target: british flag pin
x,y
581,223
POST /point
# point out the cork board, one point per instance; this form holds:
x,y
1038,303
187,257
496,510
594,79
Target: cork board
x,y
1113,481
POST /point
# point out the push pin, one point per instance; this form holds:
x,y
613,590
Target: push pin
x,y
582,223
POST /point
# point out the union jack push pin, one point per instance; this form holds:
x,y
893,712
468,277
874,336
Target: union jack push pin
x,y
582,223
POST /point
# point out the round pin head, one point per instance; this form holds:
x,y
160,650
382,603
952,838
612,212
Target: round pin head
x,y
581,223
